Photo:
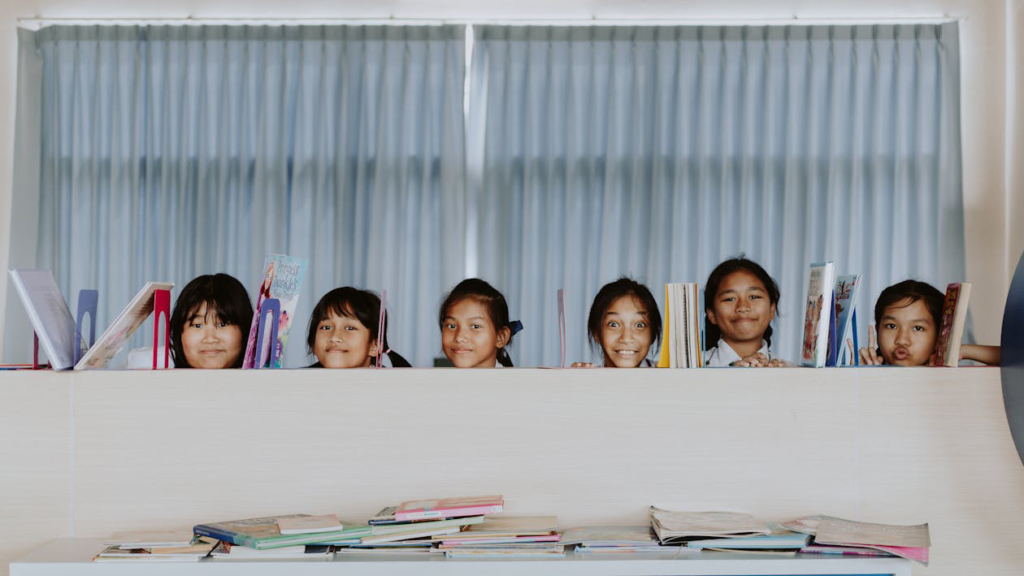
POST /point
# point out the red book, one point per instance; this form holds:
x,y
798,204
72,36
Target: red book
x,y
449,508
951,333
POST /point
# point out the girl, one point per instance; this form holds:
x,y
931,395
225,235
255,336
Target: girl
x,y
208,322
343,331
740,302
475,329
908,316
624,322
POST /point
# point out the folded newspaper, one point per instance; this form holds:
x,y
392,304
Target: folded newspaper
x,y
677,527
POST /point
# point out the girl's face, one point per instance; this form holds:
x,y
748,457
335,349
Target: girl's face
x,y
906,334
625,334
210,342
741,309
343,342
468,337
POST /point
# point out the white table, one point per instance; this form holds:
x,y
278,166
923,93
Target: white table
x,y
72,557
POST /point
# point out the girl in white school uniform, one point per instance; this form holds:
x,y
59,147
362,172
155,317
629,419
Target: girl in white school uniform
x,y
740,302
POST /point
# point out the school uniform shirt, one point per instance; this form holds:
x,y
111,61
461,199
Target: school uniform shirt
x,y
724,355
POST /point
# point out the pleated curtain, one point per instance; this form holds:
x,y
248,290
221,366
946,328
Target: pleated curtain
x,y
172,151
656,152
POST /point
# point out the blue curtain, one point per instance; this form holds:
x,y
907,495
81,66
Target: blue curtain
x,y
657,152
172,151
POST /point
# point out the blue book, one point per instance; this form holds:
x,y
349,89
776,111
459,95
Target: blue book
x,y
786,541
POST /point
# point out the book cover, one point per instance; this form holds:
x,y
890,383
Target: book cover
x,y
49,314
282,279
846,291
951,332
449,507
814,351
116,336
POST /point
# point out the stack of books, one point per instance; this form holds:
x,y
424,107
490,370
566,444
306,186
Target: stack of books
x,y
155,547
611,539
838,536
412,526
506,537
225,551
275,531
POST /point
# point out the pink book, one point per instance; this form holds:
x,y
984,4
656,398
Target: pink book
x,y
449,508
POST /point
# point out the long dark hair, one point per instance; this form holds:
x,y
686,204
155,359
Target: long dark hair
x,y
912,290
224,296
737,264
362,305
611,292
491,299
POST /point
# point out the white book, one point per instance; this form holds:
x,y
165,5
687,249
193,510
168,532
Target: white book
x,y
49,314
127,322
309,524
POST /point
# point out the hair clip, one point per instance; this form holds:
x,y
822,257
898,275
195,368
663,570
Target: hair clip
x,y
515,326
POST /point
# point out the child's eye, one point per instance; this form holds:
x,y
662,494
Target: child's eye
x,y
450,326
325,327
755,296
890,326
613,324
728,299
195,325
223,324
476,326
641,325
919,328
350,328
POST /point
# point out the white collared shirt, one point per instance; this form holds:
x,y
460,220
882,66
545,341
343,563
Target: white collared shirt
x,y
724,355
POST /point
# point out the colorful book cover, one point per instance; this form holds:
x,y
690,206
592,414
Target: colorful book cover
x,y
262,533
282,279
49,314
116,336
449,507
954,317
814,351
847,288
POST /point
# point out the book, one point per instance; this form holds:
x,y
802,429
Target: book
x,y
282,280
412,527
191,552
309,524
682,335
228,551
449,507
954,317
846,291
774,541
818,316
676,527
910,542
262,533
609,536
510,526
49,314
151,539
116,336
507,552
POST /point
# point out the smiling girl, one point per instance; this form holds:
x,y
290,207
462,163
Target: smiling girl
x,y
624,323
740,302
475,329
343,331
209,318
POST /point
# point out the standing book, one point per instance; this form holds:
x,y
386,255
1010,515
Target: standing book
x,y
116,336
954,317
49,314
282,280
820,312
846,291
682,337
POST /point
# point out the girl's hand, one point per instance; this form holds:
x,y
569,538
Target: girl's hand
x,y
869,356
753,361
582,365
776,363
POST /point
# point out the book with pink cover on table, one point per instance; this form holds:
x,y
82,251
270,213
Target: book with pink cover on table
x,y
449,507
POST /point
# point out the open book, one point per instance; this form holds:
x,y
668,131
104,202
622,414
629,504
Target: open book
x,y
115,337
49,314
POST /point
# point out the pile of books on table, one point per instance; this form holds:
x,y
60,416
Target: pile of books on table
x,y
155,547
505,537
611,539
734,532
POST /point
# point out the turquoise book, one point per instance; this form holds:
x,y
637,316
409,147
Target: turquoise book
x,y
786,541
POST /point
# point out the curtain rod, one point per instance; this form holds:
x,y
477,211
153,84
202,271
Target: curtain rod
x,y
37,23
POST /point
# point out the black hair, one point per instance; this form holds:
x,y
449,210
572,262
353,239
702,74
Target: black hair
x,y
738,264
494,301
913,291
224,296
362,305
611,292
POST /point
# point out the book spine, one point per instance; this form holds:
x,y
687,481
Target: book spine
x,y
447,512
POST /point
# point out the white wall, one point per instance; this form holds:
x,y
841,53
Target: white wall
x,y
993,242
